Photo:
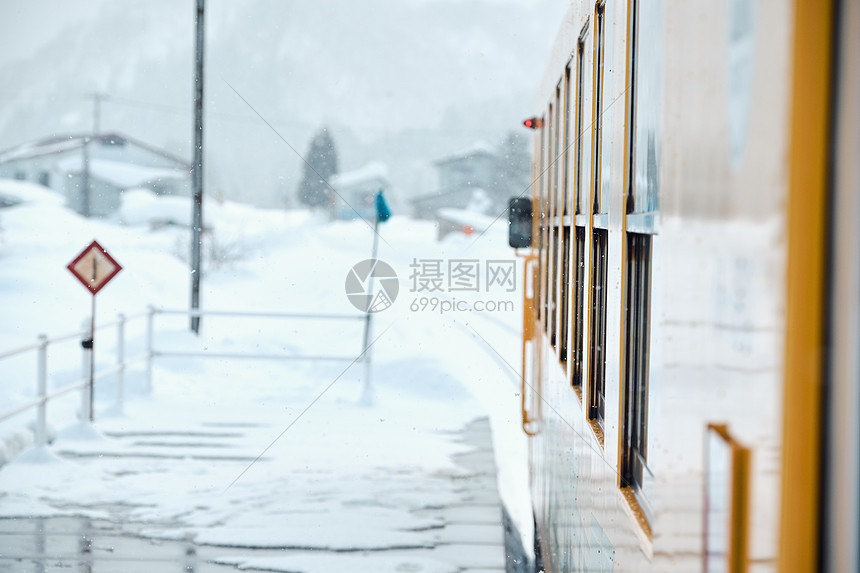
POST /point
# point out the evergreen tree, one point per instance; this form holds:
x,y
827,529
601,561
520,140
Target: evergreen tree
x,y
322,156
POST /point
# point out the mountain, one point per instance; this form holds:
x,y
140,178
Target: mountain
x,y
405,82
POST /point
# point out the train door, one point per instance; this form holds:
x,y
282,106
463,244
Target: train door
x,y
841,483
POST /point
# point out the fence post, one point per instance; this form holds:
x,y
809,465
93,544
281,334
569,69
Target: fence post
x,y
149,351
120,360
42,392
86,369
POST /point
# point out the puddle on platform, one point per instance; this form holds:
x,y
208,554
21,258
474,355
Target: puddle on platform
x,y
83,545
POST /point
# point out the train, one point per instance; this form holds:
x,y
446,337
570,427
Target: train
x,y
691,288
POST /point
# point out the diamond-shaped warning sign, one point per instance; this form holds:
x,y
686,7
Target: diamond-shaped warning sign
x,y
94,267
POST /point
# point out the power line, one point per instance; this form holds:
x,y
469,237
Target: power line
x,y
226,116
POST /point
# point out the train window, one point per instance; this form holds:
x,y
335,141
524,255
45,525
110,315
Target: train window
x,y
580,90
645,109
551,235
578,306
599,243
597,124
580,223
565,232
603,46
556,212
634,420
540,296
642,206
597,358
563,324
565,165
559,269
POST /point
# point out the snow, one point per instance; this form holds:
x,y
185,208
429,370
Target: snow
x,y
480,147
143,206
332,474
373,171
25,192
477,221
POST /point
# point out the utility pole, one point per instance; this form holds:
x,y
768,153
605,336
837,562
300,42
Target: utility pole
x,y
197,217
98,98
86,209
86,187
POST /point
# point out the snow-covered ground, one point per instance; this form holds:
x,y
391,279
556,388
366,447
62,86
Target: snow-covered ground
x,y
328,461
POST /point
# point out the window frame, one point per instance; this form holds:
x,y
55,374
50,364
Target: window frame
x,y
598,279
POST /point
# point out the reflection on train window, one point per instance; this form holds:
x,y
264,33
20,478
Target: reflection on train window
x,y
598,206
645,113
603,109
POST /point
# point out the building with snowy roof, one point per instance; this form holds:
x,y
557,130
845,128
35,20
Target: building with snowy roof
x,y
462,176
359,188
110,162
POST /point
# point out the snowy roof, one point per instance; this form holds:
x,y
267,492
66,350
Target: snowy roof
x,y
373,171
480,147
62,143
121,173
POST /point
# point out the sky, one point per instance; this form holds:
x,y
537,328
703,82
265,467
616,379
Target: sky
x,y
27,26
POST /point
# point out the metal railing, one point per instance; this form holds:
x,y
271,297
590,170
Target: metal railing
x,y
41,347
43,343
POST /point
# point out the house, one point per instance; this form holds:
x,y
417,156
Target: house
x,y
110,163
358,188
467,179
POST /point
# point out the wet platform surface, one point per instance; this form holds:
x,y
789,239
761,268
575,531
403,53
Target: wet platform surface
x,y
469,538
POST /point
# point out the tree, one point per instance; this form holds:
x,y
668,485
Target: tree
x,y
321,166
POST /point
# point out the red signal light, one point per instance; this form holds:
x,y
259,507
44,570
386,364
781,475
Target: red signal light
x,y
533,123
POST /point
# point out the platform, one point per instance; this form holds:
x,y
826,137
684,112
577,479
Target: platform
x,y
457,529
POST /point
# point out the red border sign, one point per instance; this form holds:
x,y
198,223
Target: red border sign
x,y
94,267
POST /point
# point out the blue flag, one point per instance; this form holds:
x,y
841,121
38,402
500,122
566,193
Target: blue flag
x,y
383,212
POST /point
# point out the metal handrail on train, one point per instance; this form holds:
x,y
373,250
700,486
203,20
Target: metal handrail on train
x,y
122,363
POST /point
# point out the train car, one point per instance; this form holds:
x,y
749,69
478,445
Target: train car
x,y
690,336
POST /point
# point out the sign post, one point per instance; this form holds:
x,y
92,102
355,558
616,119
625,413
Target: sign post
x,y
383,213
94,268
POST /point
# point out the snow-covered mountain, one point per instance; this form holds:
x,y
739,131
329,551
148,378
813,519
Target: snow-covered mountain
x,y
401,82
